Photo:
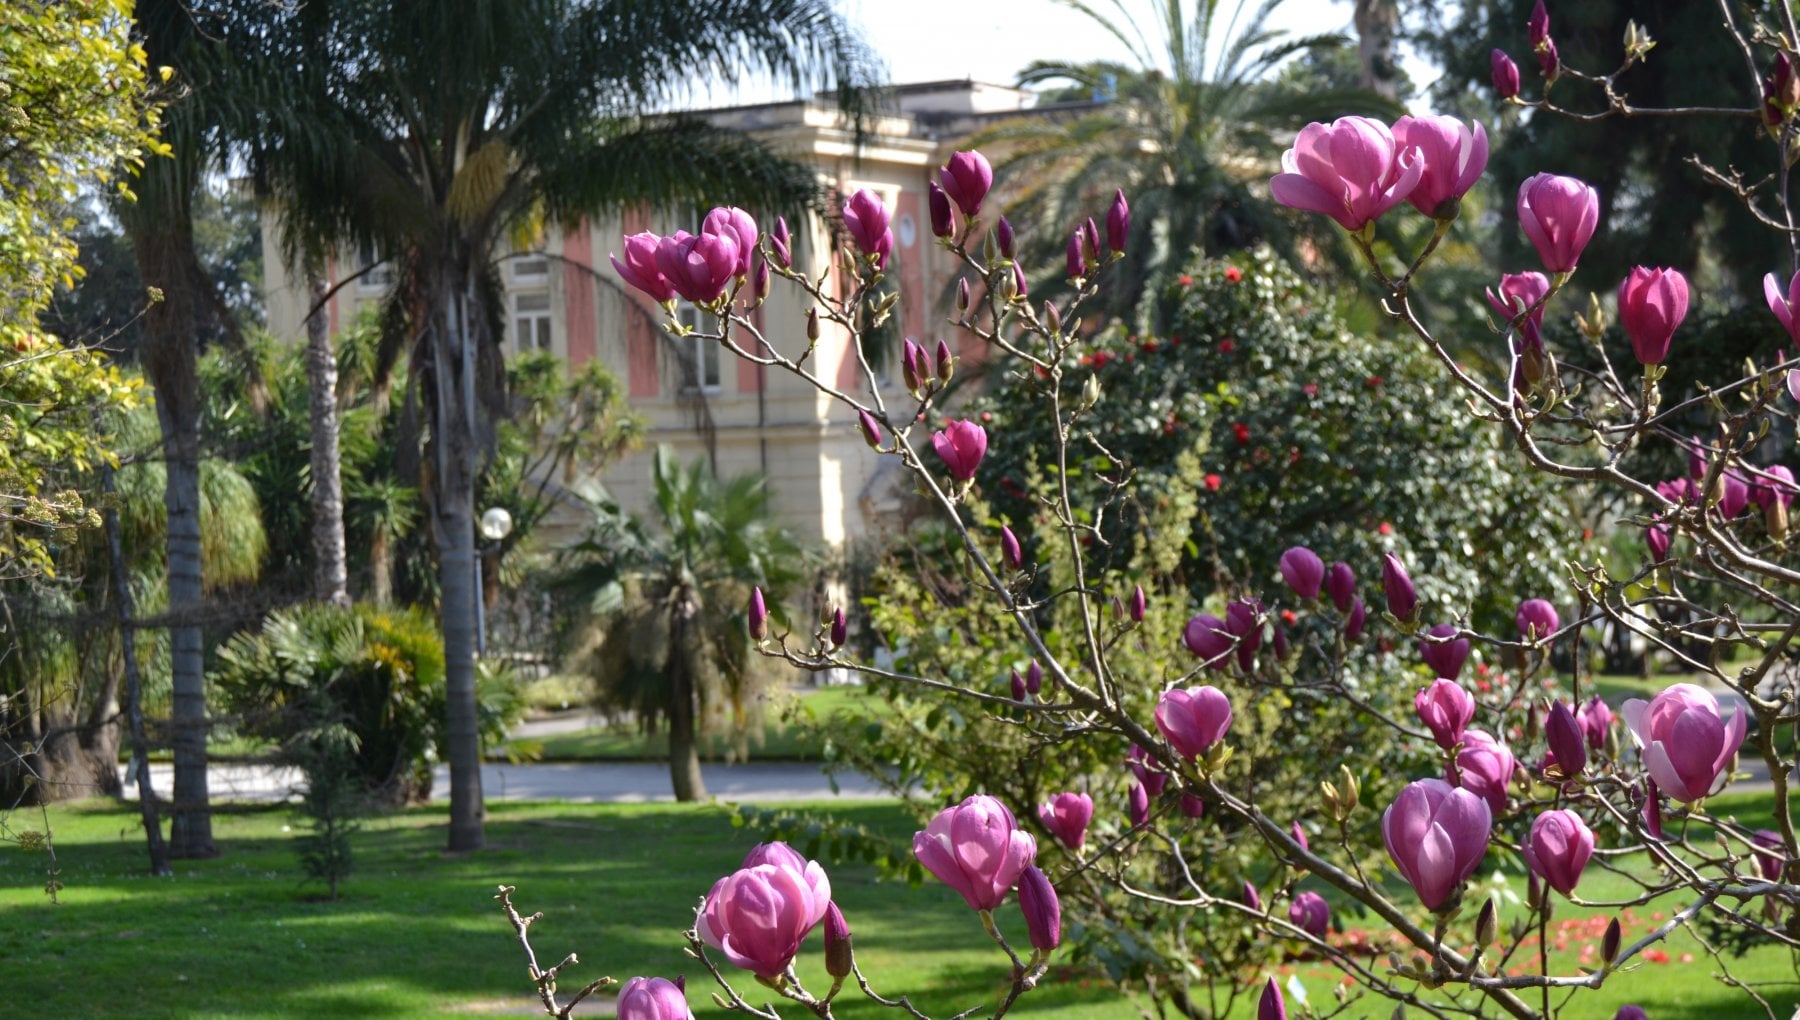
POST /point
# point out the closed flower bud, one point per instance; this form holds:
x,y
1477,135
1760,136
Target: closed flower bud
x,y
1562,731
1652,813
912,369
840,628
1340,584
1052,318
1311,914
1353,624
1445,709
1505,74
1609,943
1020,289
1402,598
1090,240
1118,223
1003,236
1537,619
1077,264
1271,1006
1652,303
1250,897
1042,909
812,324
1018,686
1192,806
758,615
946,363
1558,849
943,224
1009,548
1630,1012
966,178
1299,835
1034,677
1138,604
871,429
759,281
1447,653
780,244
838,958
1303,571
1558,215
962,296
1487,926
1773,860
1138,805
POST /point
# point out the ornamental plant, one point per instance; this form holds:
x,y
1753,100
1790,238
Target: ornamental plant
x,y
1164,700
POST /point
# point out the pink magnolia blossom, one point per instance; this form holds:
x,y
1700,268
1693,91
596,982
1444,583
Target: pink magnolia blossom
x,y
1149,774
966,179
1436,835
758,915
1521,291
1445,655
1596,720
1784,305
1504,74
1194,719
698,266
976,848
1454,158
1303,571
1067,816
1209,638
1310,913
639,268
866,218
961,445
1558,216
742,228
1652,303
1485,768
1445,709
1558,849
1685,741
653,998
1351,170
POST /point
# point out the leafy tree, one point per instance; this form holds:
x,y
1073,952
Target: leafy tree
x,y
438,132
1306,433
670,641
1191,135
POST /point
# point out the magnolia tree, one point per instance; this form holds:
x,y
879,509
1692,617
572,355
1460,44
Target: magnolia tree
x,y
1578,789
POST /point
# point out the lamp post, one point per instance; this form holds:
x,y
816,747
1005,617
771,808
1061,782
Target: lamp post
x,y
495,525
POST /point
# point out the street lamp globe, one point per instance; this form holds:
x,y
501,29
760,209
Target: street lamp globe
x,y
496,524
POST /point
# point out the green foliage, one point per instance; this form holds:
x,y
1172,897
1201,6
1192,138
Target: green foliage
x,y
1289,429
334,796
72,111
380,672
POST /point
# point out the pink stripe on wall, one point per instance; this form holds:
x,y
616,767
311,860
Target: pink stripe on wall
x,y
578,295
640,336
913,299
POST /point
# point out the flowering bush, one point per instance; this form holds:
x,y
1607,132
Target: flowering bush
x,y
1158,708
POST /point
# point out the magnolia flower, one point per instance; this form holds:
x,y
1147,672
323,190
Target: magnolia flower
x,y
1351,170
1685,742
976,848
1436,835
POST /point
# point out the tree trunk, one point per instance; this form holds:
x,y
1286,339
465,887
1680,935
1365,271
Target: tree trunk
x,y
125,614
453,501
330,573
1377,24
684,752
381,566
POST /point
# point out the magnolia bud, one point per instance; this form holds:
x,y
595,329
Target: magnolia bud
x,y
1192,806
840,628
1775,518
1138,604
942,223
758,615
1138,806
812,324
1018,686
1090,391
1487,926
1042,910
759,281
1052,318
1609,943
1003,236
780,244
911,371
1299,835
1019,287
1090,240
1250,898
946,365
1593,324
1075,262
1118,223
838,958
1637,41
871,429
1034,677
962,296
1010,549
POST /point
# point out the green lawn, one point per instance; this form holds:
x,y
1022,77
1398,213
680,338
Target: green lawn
x,y
419,936
775,740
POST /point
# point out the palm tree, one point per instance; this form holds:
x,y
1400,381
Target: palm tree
x,y
431,132
671,639
1190,131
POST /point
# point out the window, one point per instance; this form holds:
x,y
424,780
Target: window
x,y
530,269
531,321
704,352
378,278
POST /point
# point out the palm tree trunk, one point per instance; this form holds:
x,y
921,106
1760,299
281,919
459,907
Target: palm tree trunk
x,y
453,516
381,566
1377,23
126,615
330,573
684,753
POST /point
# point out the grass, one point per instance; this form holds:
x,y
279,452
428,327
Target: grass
x,y
418,934
776,739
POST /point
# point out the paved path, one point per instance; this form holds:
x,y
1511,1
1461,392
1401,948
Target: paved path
x,y
582,782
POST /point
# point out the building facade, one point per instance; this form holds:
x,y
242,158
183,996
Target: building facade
x,y
565,298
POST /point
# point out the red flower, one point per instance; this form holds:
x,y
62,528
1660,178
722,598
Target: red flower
x,y
1241,431
1212,483
987,416
1185,280
1150,346
1385,528
1311,389
1294,455
1288,616
1373,381
1227,345
1233,274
